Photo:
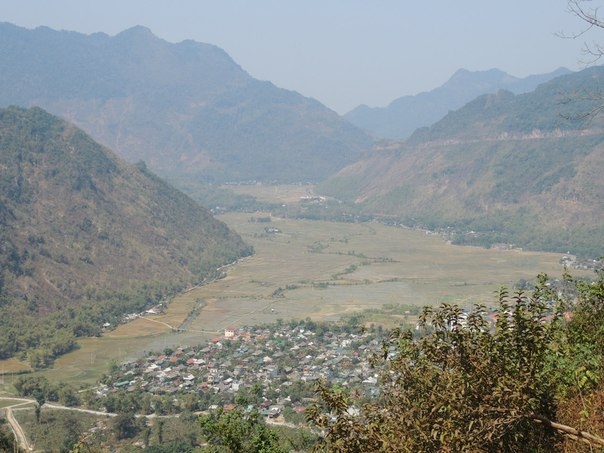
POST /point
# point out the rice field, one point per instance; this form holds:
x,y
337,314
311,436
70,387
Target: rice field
x,y
323,269
313,269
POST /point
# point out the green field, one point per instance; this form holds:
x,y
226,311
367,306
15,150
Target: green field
x,y
283,194
322,269
314,269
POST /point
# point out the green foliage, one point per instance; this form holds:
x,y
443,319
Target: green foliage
x,y
470,382
58,431
124,425
43,338
587,324
7,439
502,169
86,237
238,431
580,353
42,390
170,447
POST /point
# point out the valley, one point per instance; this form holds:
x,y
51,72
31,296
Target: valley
x,y
318,269
189,254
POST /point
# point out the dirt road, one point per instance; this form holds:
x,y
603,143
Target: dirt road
x,y
14,424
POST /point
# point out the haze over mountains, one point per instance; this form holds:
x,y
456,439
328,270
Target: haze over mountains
x,y
187,109
506,168
404,115
193,115
89,241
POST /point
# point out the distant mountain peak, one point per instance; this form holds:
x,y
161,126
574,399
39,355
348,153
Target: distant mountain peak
x,y
506,167
138,31
137,35
406,114
463,72
187,109
488,77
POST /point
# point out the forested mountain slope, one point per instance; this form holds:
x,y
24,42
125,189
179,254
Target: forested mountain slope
x,y
516,169
187,109
80,226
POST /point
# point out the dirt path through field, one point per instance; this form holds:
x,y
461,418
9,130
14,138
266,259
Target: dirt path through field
x,y
20,436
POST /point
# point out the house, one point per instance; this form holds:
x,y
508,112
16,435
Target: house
x,y
274,411
229,332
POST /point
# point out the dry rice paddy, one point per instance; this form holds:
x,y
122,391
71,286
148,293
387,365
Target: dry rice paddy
x,y
314,269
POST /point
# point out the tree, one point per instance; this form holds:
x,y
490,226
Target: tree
x,y
7,440
68,396
238,431
40,400
160,431
584,366
71,429
471,382
124,425
589,15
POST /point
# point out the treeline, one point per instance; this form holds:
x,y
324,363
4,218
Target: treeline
x,y
39,338
42,389
528,377
240,430
7,438
524,228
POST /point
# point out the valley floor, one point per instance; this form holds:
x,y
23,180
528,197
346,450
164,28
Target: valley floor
x,y
314,269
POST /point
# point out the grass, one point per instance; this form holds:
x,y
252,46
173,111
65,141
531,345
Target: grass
x,y
314,269
8,402
10,369
322,269
56,426
285,193
11,366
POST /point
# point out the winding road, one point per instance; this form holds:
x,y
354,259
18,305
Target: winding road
x,y
14,424
7,405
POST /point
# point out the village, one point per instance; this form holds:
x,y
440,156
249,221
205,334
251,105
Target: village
x,y
270,368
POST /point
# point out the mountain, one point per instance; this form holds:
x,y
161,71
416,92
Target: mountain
x,y
186,109
80,228
523,169
405,114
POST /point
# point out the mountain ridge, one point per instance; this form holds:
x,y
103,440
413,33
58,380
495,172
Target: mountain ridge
x,y
516,169
401,117
76,219
186,109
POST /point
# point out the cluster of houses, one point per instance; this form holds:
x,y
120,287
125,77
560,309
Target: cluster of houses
x,y
273,360
572,262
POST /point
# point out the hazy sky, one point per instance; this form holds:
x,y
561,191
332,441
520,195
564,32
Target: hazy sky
x,y
346,52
